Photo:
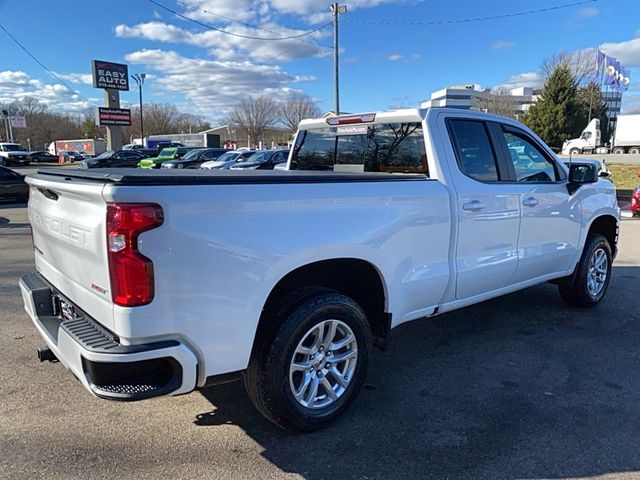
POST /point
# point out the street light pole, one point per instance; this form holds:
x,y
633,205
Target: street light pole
x,y
336,10
139,78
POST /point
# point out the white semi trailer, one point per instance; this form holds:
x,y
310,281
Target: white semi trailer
x,y
626,138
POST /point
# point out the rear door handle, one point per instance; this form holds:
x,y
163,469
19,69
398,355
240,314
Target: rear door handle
x,y
530,202
473,206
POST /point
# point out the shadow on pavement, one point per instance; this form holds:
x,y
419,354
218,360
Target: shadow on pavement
x,y
517,387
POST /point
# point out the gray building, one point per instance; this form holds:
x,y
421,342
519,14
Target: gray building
x,y
472,97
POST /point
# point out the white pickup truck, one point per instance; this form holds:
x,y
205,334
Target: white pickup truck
x,y
154,283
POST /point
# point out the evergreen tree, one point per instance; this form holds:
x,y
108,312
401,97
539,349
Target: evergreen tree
x,y
593,106
558,114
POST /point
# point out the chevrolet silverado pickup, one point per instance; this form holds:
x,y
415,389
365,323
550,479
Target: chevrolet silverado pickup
x,y
160,282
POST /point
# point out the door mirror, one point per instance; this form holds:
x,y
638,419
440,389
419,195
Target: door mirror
x,y
581,174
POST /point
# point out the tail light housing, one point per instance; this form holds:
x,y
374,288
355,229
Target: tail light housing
x,y
130,272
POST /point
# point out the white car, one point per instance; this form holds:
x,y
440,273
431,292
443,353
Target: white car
x,y
160,282
227,160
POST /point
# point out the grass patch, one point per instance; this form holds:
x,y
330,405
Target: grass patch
x,y
624,176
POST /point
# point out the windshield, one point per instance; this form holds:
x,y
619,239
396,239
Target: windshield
x,y
258,157
106,154
390,147
12,147
167,152
227,157
192,155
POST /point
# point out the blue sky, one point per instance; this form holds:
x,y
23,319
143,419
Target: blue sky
x,y
206,72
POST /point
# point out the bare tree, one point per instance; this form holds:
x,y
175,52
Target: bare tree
x,y
581,63
159,118
498,101
28,106
255,115
189,123
295,109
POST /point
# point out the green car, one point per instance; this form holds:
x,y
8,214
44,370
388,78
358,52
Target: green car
x,y
166,154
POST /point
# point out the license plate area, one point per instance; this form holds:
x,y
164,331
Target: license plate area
x,y
63,309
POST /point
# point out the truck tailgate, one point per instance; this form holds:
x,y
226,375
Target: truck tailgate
x,y
68,222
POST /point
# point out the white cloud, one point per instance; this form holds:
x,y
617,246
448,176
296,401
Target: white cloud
x,y
229,47
502,45
628,52
77,78
15,85
394,57
525,79
588,12
214,86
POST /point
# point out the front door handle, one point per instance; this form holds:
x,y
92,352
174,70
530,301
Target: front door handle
x,y
473,206
530,202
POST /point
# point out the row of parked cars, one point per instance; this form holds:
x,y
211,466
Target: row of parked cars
x,y
187,157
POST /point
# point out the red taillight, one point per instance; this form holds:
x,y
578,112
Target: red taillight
x,y
131,272
350,120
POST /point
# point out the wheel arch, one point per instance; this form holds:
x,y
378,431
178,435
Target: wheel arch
x,y
607,226
357,278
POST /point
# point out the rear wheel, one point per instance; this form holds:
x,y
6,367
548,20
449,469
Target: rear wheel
x,y
618,151
312,366
591,279
634,150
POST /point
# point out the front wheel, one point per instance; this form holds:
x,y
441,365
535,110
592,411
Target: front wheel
x,y
313,365
575,151
592,276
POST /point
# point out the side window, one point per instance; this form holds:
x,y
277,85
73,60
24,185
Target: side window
x,y
529,162
473,150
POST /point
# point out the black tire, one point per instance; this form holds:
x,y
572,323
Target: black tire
x,y
267,377
576,293
575,151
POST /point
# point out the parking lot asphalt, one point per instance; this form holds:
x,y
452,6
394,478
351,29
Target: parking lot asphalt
x,y
519,387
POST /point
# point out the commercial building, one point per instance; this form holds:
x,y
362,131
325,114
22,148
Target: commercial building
x,y
472,97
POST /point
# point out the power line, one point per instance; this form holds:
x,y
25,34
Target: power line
x,y
251,37
52,74
476,19
257,27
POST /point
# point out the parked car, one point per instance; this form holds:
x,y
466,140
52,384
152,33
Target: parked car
x,y
41,157
195,158
225,161
111,159
13,186
13,154
166,154
386,218
635,201
72,156
262,160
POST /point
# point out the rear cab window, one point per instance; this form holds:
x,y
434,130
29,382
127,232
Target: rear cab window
x,y
384,147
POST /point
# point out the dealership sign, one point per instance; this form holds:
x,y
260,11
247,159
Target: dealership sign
x,y
113,116
18,121
110,75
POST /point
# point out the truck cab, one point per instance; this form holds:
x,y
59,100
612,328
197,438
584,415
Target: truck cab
x,y
13,154
589,140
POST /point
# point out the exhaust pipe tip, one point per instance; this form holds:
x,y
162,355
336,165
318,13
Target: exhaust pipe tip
x,y
46,355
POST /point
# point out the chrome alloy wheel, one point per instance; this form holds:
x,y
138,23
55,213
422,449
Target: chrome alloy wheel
x,y
597,275
323,364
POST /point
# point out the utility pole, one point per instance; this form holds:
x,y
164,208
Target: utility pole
x,y
336,10
6,122
139,78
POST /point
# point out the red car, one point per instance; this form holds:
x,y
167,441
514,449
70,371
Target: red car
x,y
635,201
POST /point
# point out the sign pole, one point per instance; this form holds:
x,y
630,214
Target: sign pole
x,y
114,133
